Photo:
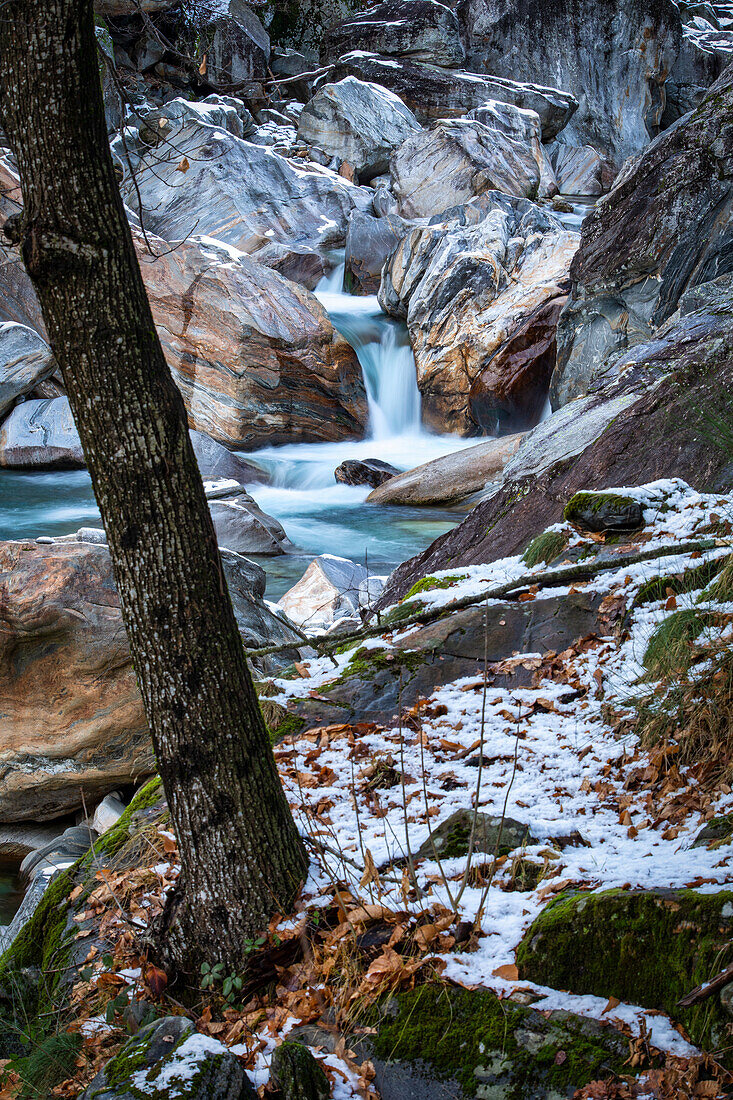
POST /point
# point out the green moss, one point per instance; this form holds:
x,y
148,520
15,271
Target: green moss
x,y
669,650
119,834
402,611
721,591
279,721
366,663
476,1039
545,548
583,505
430,584
644,947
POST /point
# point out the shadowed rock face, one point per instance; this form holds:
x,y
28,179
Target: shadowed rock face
x,y
423,30
433,93
468,284
25,360
614,56
255,356
665,227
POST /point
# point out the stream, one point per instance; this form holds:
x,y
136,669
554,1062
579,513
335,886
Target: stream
x,y
319,515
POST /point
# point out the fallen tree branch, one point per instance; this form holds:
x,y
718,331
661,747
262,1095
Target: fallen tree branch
x,y
702,992
429,615
279,81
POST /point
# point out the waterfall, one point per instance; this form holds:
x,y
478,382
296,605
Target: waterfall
x,y
383,350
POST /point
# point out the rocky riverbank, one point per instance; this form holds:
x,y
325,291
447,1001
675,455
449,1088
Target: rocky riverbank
x,y
511,757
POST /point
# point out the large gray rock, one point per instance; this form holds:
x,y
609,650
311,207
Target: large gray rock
x,y
433,93
169,1058
614,57
25,360
522,128
216,461
423,30
465,284
456,161
702,58
450,478
41,434
665,227
357,122
578,169
236,46
209,182
243,527
369,243
327,591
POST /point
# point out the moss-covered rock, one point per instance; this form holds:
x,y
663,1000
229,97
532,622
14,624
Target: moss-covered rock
x,y
493,834
472,1044
646,947
297,1073
431,584
604,512
279,720
167,1060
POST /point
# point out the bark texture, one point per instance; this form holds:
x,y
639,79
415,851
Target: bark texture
x,y
242,857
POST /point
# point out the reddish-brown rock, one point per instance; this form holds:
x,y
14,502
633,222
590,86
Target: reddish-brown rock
x,y
512,389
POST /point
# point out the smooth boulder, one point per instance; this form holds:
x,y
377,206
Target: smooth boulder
x,y
369,244
423,30
451,478
666,227
467,285
455,162
72,724
434,93
366,471
242,526
357,122
25,360
524,129
255,356
579,170
216,461
328,591
40,434
236,47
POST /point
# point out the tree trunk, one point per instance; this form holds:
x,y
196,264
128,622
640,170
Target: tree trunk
x,y
242,858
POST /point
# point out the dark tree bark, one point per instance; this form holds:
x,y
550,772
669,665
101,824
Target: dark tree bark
x,y
241,855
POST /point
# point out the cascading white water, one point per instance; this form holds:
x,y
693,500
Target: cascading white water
x,y
386,359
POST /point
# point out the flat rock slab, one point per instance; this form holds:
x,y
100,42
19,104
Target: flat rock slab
x,y
450,478
41,435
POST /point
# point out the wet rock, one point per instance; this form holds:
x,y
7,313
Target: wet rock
x,y
613,57
646,947
25,361
578,170
493,835
665,228
422,30
450,478
328,591
512,389
170,1058
369,243
604,512
212,183
41,435
216,461
357,122
524,129
434,93
243,527
367,471
18,841
255,356
649,424
298,1074
455,162
469,284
